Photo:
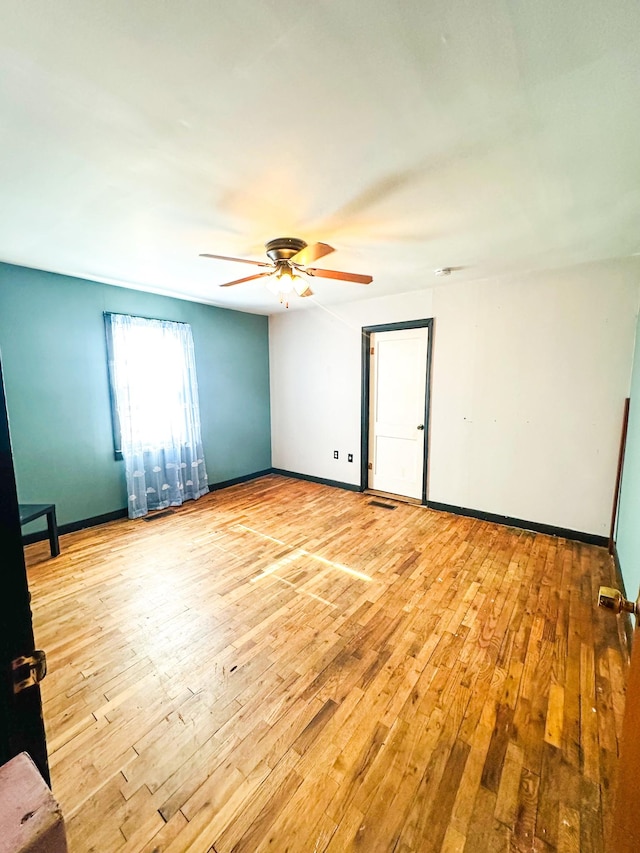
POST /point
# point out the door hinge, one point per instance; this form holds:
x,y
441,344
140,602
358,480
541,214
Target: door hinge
x,y
371,351
370,466
28,670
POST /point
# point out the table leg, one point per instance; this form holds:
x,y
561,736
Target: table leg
x,y
52,527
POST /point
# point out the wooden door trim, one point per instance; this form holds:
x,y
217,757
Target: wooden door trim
x,y
367,331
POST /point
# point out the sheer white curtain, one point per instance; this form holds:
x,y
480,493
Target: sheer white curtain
x,y
155,391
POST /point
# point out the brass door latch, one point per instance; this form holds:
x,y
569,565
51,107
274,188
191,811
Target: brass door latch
x,y
612,599
28,670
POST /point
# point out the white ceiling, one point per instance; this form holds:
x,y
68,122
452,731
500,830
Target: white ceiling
x,y
492,135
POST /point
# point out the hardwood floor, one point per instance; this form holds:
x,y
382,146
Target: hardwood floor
x,y
282,666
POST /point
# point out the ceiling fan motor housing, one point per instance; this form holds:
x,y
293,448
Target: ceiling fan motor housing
x,y
283,248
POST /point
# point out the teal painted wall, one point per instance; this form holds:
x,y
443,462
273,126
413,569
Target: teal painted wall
x,y
54,358
628,527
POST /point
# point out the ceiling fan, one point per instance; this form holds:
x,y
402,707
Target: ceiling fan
x,y
288,258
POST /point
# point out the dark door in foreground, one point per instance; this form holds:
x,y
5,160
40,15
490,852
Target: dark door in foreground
x,y
21,724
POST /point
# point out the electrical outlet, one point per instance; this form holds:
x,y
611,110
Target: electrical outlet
x,y
335,454
350,457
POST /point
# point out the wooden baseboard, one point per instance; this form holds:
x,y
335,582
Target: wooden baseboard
x,y
337,484
224,484
549,529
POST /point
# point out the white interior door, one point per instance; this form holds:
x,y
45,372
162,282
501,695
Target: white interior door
x,y
398,381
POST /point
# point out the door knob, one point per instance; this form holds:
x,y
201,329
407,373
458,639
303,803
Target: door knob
x,y
420,426
612,599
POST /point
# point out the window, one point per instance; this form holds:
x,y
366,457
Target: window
x,y
156,418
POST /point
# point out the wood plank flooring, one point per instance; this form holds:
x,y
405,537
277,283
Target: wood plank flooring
x,y
282,666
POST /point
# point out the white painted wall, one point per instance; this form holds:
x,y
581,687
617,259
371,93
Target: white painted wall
x,y
314,358
529,378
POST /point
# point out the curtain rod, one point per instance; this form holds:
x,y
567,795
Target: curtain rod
x,y
140,317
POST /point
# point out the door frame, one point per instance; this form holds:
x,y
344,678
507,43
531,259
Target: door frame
x,y
367,331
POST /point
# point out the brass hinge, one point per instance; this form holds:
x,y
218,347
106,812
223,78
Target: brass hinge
x,y
370,466
28,670
371,351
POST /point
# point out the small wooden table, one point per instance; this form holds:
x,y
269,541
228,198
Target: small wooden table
x,y
29,512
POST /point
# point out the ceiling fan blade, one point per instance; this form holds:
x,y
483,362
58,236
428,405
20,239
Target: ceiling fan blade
x,y
312,253
343,276
248,278
238,260
306,292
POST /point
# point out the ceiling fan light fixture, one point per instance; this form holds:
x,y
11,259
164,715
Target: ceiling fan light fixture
x,y
287,281
288,268
302,286
276,286
285,272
